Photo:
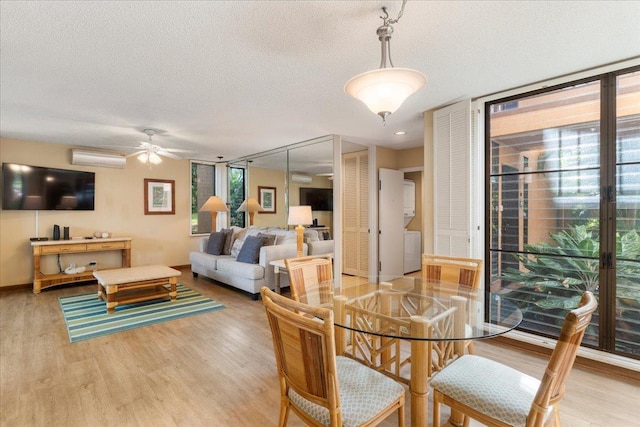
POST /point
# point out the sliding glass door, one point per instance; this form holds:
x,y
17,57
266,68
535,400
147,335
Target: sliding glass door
x,y
563,182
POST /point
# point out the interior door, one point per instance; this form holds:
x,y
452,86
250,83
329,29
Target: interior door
x,y
391,227
452,180
355,218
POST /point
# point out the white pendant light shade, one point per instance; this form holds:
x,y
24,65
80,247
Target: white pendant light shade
x,y
384,90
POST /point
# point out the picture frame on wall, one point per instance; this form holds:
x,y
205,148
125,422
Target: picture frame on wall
x,y
267,199
159,197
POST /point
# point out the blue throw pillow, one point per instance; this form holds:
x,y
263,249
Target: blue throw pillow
x,y
216,243
250,251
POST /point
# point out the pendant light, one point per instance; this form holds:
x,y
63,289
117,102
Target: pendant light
x,y
385,89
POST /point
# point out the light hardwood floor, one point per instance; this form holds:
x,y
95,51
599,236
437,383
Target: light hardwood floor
x,y
213,369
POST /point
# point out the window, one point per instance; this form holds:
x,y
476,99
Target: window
x,y
236,195
202,187
563,205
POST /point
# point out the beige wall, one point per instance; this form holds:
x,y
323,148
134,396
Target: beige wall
x,y
268,178
119,208
410,158
276,178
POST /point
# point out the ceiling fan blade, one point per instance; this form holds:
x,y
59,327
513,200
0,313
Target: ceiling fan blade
x,y
177,150
165,153
136,153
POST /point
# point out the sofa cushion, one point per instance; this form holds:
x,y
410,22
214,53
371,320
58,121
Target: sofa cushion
x,y
216,243
286,236
250,251
204,259
231,267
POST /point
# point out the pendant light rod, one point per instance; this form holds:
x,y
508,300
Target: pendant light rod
x,y
384,35
383,90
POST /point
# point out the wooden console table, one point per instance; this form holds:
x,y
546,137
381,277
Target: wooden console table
x,y
56,247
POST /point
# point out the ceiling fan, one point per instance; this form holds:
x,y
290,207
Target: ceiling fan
x,y
149,153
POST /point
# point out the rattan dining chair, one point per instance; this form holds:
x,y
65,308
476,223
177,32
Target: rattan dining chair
x,y
498,395
321,388
458,270
308,271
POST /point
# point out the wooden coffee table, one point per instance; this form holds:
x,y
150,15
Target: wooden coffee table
x,y
136,284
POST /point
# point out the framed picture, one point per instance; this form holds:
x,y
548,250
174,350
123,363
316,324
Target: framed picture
x,y
267,199
159,197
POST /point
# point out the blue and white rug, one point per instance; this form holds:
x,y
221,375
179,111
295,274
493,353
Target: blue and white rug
x,y
86,315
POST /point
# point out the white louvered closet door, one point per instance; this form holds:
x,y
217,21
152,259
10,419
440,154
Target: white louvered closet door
x,y
452,180
355,217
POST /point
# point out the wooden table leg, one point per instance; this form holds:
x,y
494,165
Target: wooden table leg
x,y
174,290
111,298
340,314
419,383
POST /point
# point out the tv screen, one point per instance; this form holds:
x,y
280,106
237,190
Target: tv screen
x,y
320,199
37,188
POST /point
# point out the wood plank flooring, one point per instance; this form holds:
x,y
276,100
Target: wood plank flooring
x,y
213,369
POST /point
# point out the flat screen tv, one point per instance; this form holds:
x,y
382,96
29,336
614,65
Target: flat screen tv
x,y
320,199
37,188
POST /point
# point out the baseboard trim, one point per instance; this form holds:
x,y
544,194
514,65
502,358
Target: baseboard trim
x,y
28,286
619,366
21,287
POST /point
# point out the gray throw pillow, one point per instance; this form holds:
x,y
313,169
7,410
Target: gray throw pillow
x,y
250,251
216,243
228,237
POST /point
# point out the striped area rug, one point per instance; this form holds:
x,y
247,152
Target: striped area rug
x,y
86,315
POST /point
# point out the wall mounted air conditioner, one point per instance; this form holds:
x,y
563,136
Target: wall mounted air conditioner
x,y
301,179
94,158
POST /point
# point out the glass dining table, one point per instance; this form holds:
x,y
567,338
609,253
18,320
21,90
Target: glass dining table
x,y
409,329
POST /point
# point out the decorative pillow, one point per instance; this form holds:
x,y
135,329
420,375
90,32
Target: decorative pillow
x,y
268,239
228,237
250,251
235,248
216,243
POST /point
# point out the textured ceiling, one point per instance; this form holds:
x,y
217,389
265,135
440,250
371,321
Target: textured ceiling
x,y
231,78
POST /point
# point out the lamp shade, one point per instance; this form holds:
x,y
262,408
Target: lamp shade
x,y
385,89
250,205
300,215
214,204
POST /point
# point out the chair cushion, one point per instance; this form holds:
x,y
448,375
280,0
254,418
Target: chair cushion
x,y
363,394
489,387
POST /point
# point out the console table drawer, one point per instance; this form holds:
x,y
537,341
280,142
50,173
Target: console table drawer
x,y
56,249
105,246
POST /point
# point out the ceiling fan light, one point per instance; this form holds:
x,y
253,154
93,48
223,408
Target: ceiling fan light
x,y
154,159
385,89
144,157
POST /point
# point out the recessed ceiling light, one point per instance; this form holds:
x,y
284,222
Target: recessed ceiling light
x,y
400,132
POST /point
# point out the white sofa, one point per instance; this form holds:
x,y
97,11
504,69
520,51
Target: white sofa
x,y
251,277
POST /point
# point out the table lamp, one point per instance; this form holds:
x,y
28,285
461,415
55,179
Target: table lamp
x,y
214,205
252,206
300,216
